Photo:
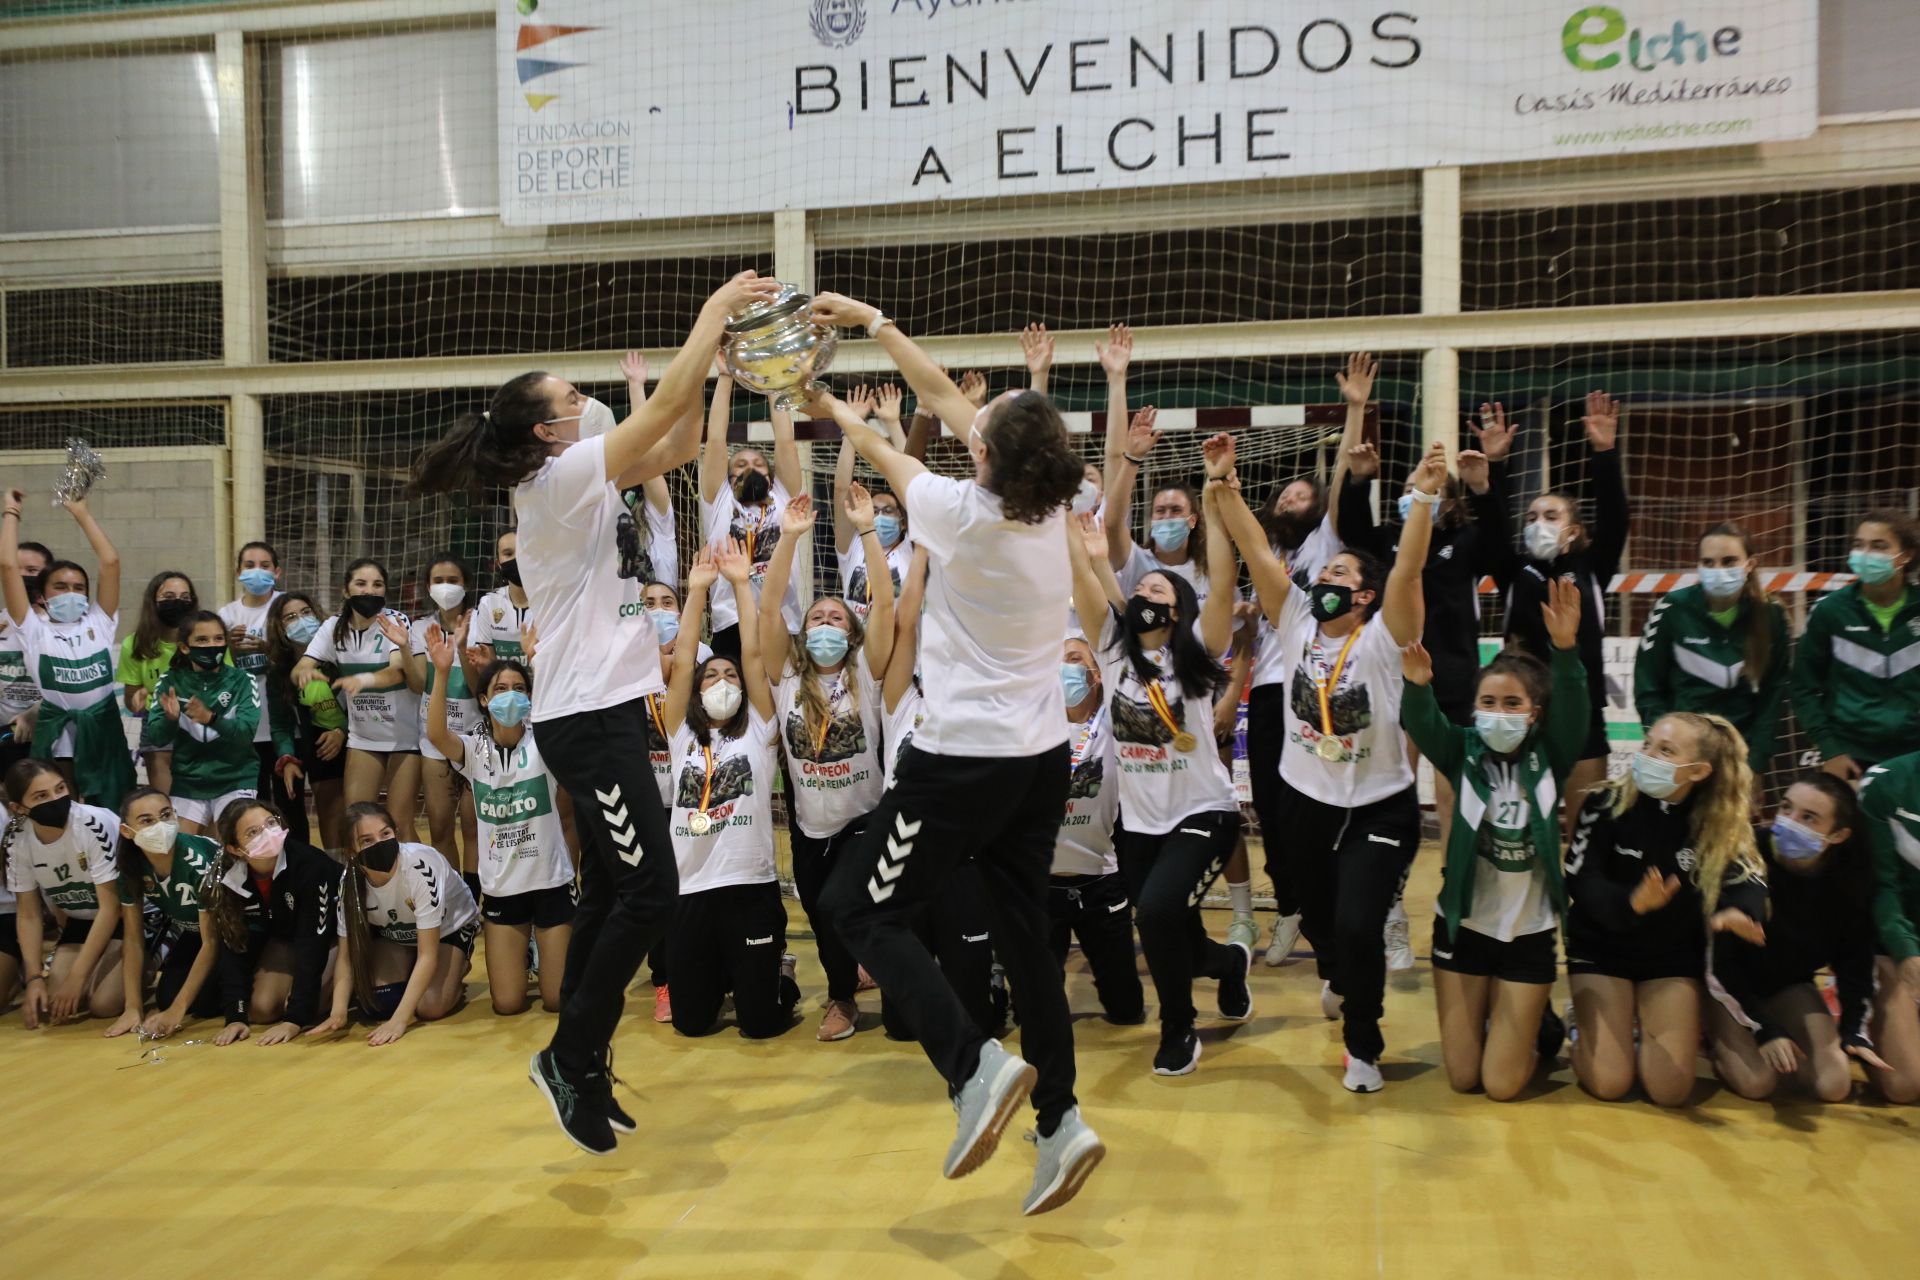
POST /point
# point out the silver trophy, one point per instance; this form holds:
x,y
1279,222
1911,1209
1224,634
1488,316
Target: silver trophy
x,y
84,466
776,348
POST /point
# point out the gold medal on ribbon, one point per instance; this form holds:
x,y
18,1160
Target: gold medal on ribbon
x,y
698,822
1330,748
1184,741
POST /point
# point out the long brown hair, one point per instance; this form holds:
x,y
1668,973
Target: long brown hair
x,y
19,780
1759,624
490,450
149,633
815,710
221,902
353,902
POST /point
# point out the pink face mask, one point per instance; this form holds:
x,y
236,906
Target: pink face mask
x,y
267,844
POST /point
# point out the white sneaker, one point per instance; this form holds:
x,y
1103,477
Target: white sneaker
x,y
1399,946
1330,1004
1286,935
1063,1163
1362,1076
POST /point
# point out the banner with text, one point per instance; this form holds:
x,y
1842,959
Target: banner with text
x,y
614,110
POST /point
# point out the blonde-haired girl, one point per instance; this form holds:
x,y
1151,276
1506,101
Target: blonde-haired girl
x,y
1662,857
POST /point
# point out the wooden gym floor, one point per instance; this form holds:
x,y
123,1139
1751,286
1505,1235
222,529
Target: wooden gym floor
x,y
435,1157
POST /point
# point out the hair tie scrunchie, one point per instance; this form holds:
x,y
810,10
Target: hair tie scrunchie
x,y
485,416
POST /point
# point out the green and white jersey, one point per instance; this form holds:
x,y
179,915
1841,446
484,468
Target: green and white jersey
x,y
523,847
73,662
67,869
499,623
463,713
378,720
1510,898
19,693
178,895
424,893
1890,806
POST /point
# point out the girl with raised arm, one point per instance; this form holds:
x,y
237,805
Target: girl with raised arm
x,y
730,926
995,726
742,498
449,804
1347,808
70,651
1181,819
857,570
582,573
828,713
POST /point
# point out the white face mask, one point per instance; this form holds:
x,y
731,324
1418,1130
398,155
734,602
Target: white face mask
x,y
721,700
1087,499
157,837
447,595
1543,540
595,419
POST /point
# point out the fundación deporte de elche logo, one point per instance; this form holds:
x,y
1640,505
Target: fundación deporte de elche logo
x,y
838,23
532,35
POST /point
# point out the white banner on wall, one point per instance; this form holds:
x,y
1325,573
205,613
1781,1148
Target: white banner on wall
x,y
612,109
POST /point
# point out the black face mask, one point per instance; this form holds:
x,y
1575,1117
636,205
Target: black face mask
x,y
754,487
207,657
367,606
1328,600
381,856
52,813
510,571
172,612
1145,615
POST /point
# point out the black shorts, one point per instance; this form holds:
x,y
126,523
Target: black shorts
x,y
1600,960
9,937
542,908
74,932
316,769
1528,958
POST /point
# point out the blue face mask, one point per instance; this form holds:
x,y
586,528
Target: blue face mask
x,y
68,606
1406,506
303,628
256,582
1169,535
826,645
1502,731
1723,583
1871,567
666,624
1654,776
1076,681
888,529
1795,843
509,708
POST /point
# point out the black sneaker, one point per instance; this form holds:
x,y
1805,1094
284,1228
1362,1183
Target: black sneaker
x,y
1236,1001
1179,1053
574,1097
616,1115
1553,1034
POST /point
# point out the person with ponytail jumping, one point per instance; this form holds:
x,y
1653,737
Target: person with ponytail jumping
x,y
579,557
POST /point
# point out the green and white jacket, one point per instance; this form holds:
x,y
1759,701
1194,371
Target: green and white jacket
x,y
1856,685
1890,800
1688,661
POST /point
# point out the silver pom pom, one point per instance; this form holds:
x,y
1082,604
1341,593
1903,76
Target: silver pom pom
x,y
84,466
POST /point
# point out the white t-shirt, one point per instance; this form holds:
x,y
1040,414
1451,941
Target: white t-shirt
x,y
1509,892
18,692
66,870
238,613
1159,785
837,776
854,585
499,622
1365,708
660,746
463,709
1321,545
72,662
995,613
377,719
661,547
902,722
1084,846
738,847
1142,562
598,647
523,847
424,893
758,529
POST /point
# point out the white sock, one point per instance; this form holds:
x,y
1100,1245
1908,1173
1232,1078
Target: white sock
x,y
1242,897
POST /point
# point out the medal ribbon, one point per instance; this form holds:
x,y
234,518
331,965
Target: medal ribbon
x,y
1157,696
1333,681
1086,736
706,791
653,709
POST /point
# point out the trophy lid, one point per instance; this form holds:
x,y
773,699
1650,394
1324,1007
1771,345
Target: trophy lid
x,y
757,315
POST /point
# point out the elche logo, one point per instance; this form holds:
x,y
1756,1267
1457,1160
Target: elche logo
x,y
532,35
1591,39
1330,601
838,23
